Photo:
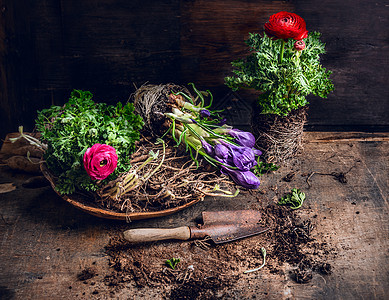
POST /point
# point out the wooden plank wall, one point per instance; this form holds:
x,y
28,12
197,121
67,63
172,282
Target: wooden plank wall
x,y
109,47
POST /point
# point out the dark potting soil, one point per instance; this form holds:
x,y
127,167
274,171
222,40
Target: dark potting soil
x,y
208,271
86,274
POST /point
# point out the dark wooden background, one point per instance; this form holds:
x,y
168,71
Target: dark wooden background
x,y
49,47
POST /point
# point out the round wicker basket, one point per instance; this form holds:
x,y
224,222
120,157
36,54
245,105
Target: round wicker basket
x,y
77,201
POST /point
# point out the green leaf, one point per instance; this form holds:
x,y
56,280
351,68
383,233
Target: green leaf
x,y
264,167
294,199
71,129
284,85
172,263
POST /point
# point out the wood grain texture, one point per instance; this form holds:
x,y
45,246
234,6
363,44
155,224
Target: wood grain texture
x,y
46,242
50,47
213,34
139,235
357,45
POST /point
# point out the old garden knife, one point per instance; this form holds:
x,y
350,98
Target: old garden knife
x,y
220,226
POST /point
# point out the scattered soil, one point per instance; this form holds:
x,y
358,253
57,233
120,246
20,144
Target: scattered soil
x,y
339,176
207,270
292,242
86,274
289,177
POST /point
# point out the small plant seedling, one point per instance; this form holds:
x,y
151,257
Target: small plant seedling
x,y
294,199
264,167
172,263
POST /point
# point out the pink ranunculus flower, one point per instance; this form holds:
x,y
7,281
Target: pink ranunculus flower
x,y
100,161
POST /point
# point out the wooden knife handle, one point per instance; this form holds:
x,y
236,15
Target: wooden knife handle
x,y
156,234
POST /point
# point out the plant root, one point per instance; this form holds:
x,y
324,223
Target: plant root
x,y
151,103
176,182
280,138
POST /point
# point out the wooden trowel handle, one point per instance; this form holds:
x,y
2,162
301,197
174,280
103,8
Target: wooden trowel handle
x,y
156,234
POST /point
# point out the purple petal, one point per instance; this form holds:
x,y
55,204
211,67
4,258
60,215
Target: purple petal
x,y
245,179
221,151
243,138
257,152
205,113
207,147
222,122
245,160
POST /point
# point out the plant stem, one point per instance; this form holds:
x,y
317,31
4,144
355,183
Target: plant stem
x,y
263,250
198,93
210,100
282,48
33,141
185,95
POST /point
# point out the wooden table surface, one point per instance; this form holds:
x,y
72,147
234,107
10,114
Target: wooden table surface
x,y
45,242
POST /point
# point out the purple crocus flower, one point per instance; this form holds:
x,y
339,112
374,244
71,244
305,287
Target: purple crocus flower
x,y
243,138
245,179
257,152
205,113
207,147
244,160
221,151
241,148
241,157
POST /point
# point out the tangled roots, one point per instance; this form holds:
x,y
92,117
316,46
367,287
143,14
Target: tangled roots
x,y
280,138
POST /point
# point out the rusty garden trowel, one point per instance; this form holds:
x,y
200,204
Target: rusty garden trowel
x,y
220,226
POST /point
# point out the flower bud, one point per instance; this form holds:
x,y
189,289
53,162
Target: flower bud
x,y
243,138
222,122
205,113
207,147
240,156
299,45
245,179
257,152
221,151
245,160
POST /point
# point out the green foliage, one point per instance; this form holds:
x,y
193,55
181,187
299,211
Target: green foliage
x,y
172,263
73,128
264,167
294,199
284,85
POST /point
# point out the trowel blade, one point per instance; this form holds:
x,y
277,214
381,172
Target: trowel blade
x,y
227,226
248,216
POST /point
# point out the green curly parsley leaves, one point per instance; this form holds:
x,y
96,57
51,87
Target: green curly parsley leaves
x,y
284,85
71,129
263,167
294,199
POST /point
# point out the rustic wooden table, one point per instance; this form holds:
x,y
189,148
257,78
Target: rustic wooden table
x,y
46,243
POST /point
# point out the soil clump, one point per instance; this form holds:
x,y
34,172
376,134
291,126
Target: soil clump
x,y
207,270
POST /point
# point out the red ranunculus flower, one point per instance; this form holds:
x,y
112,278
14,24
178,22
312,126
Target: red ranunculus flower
x,y
100,161
299,45
285,25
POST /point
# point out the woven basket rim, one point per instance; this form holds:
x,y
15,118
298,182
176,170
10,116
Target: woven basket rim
x,y
110,214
